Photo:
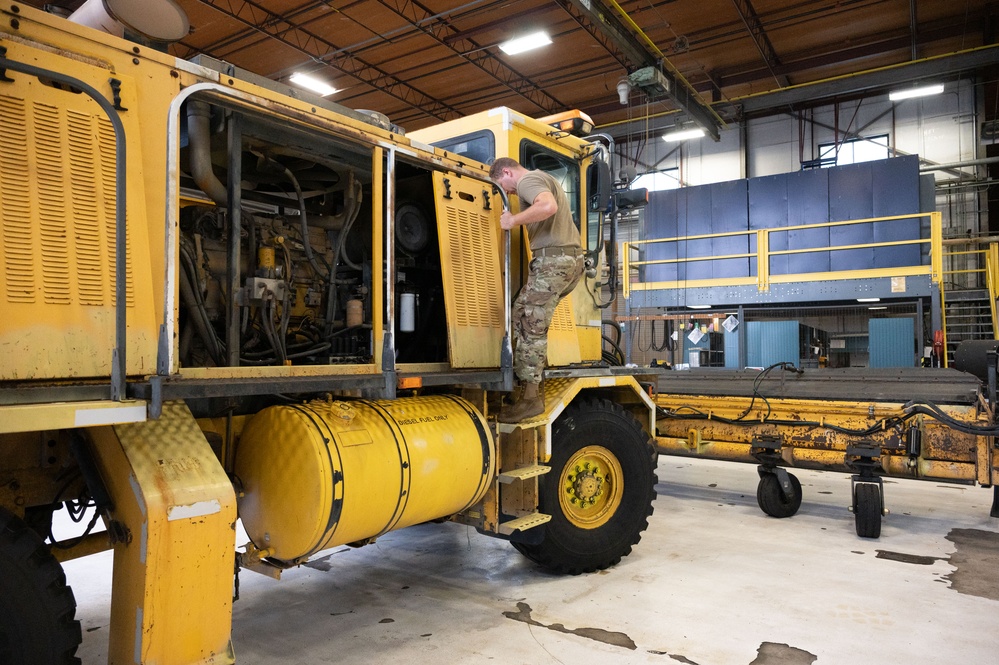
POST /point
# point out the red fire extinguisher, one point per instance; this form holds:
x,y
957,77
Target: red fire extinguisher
x,y
938,348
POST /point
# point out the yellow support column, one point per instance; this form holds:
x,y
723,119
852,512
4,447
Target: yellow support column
x,y
175,514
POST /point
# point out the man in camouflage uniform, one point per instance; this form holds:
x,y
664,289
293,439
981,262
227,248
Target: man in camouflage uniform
x,y
555,269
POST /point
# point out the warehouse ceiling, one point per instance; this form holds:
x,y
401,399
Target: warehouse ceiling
x,y
422,61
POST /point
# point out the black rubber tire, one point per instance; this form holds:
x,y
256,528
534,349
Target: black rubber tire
x,y
770,496
566,547
867,510
37,608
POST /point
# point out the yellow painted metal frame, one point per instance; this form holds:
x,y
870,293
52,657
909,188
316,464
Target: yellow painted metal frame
x,y
764,279
175,511
946,453
575,335
990,270
560,392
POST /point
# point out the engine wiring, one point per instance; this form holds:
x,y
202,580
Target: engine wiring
x,y
911,409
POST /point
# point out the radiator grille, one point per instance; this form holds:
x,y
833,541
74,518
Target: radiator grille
x,y
15,213
51,185
473,260
86,213
57,184
562,319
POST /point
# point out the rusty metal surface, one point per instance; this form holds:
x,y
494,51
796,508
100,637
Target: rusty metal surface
x,y
939,385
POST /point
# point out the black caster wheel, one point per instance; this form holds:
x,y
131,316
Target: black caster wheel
x,y
772,498
867,509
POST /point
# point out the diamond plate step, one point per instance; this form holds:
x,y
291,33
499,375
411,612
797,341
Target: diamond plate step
x,y
524,523
523,473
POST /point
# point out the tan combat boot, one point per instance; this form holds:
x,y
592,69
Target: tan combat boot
x,y
530,404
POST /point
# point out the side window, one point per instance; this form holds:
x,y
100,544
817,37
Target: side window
x,y
560,167
480,146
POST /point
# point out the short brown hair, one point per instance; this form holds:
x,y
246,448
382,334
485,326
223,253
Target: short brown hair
x,y
500,164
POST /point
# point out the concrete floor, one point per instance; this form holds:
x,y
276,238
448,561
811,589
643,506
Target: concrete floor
x,y
713,582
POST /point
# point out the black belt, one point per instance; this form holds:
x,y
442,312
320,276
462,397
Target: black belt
x,y
558,251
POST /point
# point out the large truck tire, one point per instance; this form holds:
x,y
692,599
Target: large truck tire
x,y
37,608
599,491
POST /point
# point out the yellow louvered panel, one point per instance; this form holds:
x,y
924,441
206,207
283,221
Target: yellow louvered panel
x,y
50,184
91,262
470,262
57,201
562,319
473,307
17,249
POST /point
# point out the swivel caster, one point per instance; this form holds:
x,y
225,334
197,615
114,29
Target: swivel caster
x,y
867,490
868,507
779,492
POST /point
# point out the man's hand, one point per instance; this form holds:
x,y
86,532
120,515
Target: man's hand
x,y
506,220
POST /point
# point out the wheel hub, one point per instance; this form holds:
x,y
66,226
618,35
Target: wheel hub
x,y
591,490
586,485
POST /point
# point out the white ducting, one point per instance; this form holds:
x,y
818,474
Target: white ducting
x,y
156,20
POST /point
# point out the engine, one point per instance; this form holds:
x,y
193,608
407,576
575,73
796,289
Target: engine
x,y
297,254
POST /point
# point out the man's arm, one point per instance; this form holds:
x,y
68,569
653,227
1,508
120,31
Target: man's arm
x,y
543,207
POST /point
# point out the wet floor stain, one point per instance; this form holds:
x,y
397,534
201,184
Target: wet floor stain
x,y
523,613
323,563
907,558
682,659
976,563
771,653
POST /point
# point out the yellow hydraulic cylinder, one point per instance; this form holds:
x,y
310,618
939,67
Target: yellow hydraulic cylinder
x,y
326,473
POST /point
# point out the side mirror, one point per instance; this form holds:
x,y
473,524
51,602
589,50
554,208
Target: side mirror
x,y
598,186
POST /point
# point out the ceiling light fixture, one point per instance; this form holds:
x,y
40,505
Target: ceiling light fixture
x,y
312,83
880,307
922,91
683,133
699,306
525,43
868,299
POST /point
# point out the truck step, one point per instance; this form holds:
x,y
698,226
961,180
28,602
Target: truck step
x,y
524,523
523,473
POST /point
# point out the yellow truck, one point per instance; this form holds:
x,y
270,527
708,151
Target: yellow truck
x,y
932,424
224,300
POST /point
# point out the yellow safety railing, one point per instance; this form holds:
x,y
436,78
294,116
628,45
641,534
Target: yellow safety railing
x,y
763,279
987,264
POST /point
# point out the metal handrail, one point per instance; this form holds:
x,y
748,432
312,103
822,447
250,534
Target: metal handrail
x,y
763,255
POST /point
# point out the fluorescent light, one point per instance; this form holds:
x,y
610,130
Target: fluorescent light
x,y
683,134
909,93
525,43
312,83
868,299
881,307
699,306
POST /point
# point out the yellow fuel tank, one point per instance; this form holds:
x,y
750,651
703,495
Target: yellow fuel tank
x,y
326,473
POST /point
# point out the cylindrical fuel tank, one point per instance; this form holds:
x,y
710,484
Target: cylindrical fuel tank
x,y
325,473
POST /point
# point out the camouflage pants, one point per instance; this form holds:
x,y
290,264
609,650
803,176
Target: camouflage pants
x,y
551,278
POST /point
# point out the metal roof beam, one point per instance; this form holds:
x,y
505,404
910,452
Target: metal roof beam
x,y
322,51
813,94
627,45
759,36
444,33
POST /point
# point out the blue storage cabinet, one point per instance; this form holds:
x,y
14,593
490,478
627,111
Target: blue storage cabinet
x,y
892,342
769,342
